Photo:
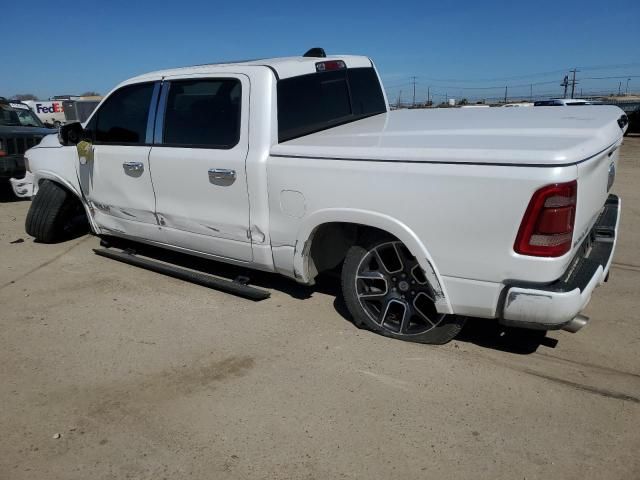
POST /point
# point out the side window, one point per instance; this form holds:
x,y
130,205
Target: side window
x,y
203,113
122,119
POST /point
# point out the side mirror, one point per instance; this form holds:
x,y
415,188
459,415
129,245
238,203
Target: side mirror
x,y
70,133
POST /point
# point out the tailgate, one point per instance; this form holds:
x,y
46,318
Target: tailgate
x,y
595,179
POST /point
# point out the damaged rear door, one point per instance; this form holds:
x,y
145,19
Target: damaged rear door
x,y
198,164
114,162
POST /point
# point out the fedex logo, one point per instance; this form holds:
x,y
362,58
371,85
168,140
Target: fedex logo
x,y
54,108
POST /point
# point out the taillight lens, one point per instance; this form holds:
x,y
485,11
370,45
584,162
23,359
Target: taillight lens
x,y
547,226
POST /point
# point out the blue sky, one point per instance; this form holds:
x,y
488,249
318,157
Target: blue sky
x,y
456,48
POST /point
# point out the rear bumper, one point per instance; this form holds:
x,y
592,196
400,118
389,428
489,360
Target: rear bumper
x,y
555,305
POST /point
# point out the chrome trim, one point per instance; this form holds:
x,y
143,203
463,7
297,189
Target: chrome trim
x,y
222,174
133,166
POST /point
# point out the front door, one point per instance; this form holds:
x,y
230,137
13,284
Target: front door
x,y
114,163
198,165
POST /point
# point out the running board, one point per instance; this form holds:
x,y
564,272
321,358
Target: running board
x,y
234,287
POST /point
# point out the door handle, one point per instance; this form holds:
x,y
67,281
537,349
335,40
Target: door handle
x,y
133,166
222,174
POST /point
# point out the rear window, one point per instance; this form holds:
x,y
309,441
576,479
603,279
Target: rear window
x,y
317,101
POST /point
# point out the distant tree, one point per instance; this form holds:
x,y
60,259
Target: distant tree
x,y
25,96
464,101
90,94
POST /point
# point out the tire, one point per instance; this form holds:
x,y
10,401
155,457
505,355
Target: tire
x,y
55,214
387,292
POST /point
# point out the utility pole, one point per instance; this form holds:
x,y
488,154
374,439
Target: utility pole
x,y
565,84
505,93
573,81
428,95
531,92
414,91
399,99
628,86
619,88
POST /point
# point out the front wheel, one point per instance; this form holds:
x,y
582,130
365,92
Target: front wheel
x,y
55,214
386,291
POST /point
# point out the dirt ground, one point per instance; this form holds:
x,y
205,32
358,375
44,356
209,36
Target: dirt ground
x,y
147,377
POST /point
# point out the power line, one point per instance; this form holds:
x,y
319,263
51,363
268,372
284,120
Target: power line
x,y
517,90
607,78
612,67
515,86
495,79
484,88
398,85
532,75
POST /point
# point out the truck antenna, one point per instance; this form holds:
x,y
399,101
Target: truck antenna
x,y
315,52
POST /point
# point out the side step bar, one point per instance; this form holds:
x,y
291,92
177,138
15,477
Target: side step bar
x,y
235,288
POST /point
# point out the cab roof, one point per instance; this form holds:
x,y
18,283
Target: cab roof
x,y
282,67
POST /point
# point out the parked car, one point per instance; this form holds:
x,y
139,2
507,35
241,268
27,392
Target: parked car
x,y
297,166
564,102
20,130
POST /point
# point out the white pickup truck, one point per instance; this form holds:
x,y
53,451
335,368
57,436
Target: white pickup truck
x,y
297,166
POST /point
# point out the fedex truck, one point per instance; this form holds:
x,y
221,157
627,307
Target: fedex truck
x,y
49,112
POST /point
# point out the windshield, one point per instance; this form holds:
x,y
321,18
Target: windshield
x,y
18,115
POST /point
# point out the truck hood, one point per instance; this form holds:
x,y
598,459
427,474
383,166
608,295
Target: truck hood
x,y
550,136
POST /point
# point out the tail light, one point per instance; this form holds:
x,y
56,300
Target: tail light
x,y
2,152
547,226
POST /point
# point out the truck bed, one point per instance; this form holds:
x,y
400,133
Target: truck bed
x,y
550,136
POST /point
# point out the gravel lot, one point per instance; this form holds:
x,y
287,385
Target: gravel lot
x,y
148,377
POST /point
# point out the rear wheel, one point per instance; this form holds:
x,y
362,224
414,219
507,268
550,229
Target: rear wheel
x,y
55,214
386,291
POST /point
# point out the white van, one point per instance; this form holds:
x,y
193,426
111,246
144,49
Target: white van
x,y
49,112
